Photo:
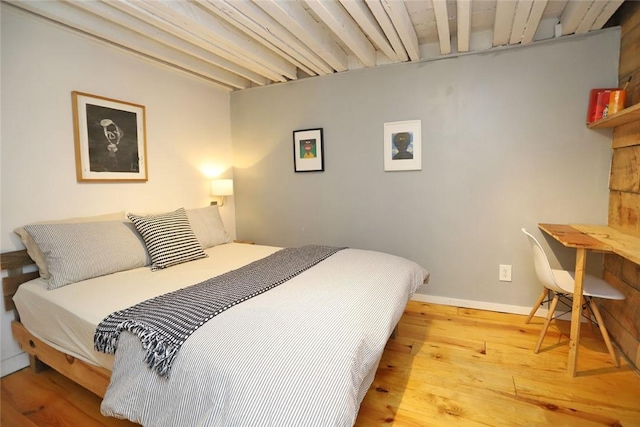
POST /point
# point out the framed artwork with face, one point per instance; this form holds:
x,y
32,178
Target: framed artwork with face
x,y
403,146
308,150
110,139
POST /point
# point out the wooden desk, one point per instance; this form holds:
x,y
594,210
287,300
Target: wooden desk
x,y
599,238
625,245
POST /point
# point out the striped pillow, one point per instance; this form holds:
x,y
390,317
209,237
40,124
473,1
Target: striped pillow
x,y
80,251
32,247
208,227
169,238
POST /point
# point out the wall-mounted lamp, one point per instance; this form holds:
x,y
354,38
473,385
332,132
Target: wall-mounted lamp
x,y
221,188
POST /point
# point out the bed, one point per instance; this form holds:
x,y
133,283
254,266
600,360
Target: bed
x,y
303,352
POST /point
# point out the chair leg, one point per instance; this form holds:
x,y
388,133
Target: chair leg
x,y
587,313
603,330
552,309
536,306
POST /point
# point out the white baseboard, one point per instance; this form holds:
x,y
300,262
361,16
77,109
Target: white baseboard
x,y
484,305
14,363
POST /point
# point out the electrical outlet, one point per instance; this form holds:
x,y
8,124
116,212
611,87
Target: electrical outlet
x,y
505,273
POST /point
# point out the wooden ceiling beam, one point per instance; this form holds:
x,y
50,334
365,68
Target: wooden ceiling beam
x,y
442,23
598,15
505,10
195,20
590,17
523,9
237,44
163,25
364,18
291,43
534,20
572,15
261,33
463,13
607,12
345,28
92,25
389,30
118,17
398,14
296,19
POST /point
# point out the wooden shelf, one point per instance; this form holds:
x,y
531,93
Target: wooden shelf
x,y
622,117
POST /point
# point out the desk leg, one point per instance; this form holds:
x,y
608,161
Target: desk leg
x,y
581,260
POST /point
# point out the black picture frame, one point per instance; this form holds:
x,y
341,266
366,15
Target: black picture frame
x,y
308,150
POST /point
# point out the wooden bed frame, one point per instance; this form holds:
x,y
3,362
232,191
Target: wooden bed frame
x,y
91,377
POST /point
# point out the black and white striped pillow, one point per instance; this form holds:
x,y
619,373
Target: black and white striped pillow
x,y
169,238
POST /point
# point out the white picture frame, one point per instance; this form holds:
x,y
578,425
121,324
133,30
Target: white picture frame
x,y
403,145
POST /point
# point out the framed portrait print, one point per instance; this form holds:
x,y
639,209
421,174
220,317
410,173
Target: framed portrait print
x,y
308,154
403,146
110,138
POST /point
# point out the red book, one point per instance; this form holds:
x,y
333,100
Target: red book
x,y
596,108
602,104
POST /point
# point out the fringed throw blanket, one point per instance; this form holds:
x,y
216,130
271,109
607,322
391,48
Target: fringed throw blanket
x,y
165,322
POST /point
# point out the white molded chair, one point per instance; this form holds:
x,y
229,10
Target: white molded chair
x,y
561,283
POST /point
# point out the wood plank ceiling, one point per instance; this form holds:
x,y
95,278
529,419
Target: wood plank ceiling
x,y
239,44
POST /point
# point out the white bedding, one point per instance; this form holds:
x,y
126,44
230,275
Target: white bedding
x,y
67,317
301,354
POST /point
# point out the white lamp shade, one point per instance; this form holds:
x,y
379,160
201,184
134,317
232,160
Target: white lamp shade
x,y
222,187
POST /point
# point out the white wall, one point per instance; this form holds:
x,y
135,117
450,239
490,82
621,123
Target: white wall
x,y
188,133
505,146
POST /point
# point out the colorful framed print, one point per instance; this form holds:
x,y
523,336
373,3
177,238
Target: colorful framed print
x,y
403,145
308,151
110,138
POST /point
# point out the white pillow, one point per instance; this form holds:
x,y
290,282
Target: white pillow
x,y
80,251
208,227
169,238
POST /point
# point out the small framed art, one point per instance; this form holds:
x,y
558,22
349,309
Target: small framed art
x,y
403,145
308,152
110,138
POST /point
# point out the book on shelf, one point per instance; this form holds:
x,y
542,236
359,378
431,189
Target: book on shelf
x,y
604,102
617,99
597,103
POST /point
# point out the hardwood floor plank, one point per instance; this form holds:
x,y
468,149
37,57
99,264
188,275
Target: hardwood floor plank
x,y
623,401
439,329
419,308
437,401
50,399
11,417
448,379
447,366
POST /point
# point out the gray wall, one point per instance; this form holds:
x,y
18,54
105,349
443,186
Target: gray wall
x,y
504,147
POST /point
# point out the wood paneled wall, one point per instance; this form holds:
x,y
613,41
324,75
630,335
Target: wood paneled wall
x,y
623,317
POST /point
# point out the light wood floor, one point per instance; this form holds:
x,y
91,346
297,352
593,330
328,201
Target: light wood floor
x,y
447,367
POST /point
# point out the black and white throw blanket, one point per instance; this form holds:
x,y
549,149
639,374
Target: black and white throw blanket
x,y
164,323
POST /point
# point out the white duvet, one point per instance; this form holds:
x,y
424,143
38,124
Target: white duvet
x,y
302,354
